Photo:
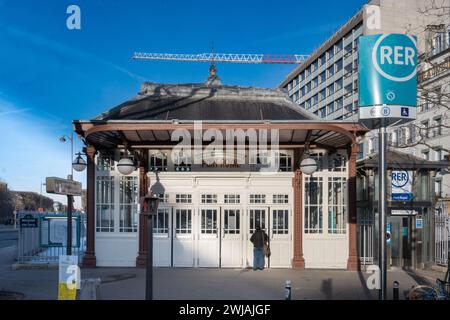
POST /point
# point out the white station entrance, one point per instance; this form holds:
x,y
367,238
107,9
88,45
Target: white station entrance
x,y
207,220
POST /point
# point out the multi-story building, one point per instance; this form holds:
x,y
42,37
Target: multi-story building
x,y
327,83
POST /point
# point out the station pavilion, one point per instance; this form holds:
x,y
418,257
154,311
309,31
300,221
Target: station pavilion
x,y
209,211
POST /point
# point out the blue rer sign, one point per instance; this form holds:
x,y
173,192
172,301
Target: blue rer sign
x,y
388,76
401,183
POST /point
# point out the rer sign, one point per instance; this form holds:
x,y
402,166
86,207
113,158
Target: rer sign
x,y
401,183
388,76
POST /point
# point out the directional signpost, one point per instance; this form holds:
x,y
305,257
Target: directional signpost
x,y
69,188
387,95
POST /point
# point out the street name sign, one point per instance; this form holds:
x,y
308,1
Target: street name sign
x,y
63,186
28,221
387,78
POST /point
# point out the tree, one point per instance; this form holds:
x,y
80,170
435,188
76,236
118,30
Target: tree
x,y
433,96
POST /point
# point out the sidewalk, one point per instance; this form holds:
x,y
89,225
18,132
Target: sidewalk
x,y
210,284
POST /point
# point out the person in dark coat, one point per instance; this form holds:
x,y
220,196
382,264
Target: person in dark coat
x,y
259,238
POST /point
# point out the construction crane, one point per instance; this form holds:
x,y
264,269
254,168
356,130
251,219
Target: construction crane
x,y
223,57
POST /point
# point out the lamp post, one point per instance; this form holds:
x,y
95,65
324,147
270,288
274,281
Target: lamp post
x,y
64,139
149,205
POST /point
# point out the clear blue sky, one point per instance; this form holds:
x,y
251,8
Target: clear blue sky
x,y
50,75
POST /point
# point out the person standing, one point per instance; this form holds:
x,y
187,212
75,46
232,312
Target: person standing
x,y
259,238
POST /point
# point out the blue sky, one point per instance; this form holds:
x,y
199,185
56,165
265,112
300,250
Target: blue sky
x,y
50,75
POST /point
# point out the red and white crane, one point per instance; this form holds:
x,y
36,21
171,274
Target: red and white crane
x,y
223,57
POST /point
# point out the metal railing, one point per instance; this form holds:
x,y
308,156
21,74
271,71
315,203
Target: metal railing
x,y
365,237
42,238
442,234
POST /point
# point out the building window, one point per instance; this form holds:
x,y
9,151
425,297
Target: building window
x,y
339,65
337,208
161,222
280,221
349,48
322,77
314,83
348,90
105,204
339,103
412,133
438,124
183,219
330,53
158,161
209,198
330,71
128,188
183,198
337,162
257,218
232,223
330,89
285,162
163,198
209,221
322,94
438,188
439,154
313,205
182,161
426,129
330,108
339,45
257,198
339,84
323,112
232,198
105,163
322,59
280,199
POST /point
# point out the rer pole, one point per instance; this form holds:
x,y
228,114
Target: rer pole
x,y
382,207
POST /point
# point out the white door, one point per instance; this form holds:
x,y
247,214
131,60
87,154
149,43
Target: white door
x,y
256,216
325,240
208,238
231,242
183,240
162,238
280,237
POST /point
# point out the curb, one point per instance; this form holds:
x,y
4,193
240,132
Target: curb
x,y
34,266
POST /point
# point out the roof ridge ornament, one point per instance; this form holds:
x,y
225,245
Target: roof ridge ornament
x,y
213,80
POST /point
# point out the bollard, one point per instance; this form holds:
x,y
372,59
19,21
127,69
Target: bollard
x,y
90,289
287,290
396,286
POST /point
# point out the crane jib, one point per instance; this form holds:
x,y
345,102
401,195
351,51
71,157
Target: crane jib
x,y
223,57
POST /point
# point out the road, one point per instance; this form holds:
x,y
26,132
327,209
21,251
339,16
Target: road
x,y
8,237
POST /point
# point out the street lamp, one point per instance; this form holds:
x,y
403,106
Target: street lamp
x,y
149,206
308,165
126,164
79,164
64,139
